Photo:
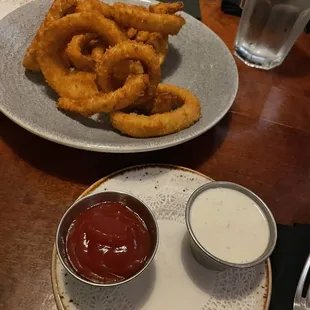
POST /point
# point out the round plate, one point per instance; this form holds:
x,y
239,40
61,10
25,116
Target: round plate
x,y
198,60
174,280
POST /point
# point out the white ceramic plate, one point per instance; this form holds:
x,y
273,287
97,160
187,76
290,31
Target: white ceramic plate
x,y
174,280
197,60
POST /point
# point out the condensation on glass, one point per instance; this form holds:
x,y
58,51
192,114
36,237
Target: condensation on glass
x,y
268,29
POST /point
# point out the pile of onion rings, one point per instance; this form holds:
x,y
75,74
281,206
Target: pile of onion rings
x,y
102,58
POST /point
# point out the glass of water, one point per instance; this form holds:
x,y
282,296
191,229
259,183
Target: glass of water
x,y
268,29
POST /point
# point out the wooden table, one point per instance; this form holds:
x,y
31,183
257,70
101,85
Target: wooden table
x,y
263,143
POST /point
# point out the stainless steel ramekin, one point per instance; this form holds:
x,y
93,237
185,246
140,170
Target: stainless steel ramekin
x,y
80,205
207,259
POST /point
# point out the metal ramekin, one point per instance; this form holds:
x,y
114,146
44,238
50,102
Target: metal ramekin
x,y
80,205
209,260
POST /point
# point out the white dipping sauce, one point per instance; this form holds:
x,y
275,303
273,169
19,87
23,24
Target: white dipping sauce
x,y
229,225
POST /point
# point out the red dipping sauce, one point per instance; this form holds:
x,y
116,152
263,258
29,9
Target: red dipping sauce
x,y
108,243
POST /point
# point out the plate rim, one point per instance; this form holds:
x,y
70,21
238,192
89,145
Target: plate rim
x,y
71,142
95,185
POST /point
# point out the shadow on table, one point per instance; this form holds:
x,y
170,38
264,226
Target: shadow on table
x,y
86,167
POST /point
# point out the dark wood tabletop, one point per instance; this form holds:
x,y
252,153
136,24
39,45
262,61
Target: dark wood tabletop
x,y
263,143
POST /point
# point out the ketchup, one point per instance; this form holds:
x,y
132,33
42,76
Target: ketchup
x,y
108,243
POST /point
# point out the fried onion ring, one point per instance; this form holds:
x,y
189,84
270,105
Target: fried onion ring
x,y
142,36
58,9
164,101
113,101
123,69
132,16
129,50
155,39
142,126
131,33
167,8
94,5
160,44
75,54
56,36
98,50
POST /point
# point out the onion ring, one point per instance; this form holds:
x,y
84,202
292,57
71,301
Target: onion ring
x,y
142,126
158,41
160,44
123,69
142,36
58,9
164,101
74,51
167,8
113,101
98,50
57,34
132,16
94,5
129,50
131,33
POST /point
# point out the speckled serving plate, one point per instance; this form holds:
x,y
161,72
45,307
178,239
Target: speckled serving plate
x,y
174,280
197,60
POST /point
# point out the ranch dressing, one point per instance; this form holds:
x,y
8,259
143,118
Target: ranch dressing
x,y
229,225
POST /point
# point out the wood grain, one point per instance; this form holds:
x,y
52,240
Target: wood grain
x,y
263,143
280,95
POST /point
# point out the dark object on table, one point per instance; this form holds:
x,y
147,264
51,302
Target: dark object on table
x,y
307,29
190,6
231,7
287,262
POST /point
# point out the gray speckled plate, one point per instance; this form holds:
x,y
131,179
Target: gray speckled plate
x,y
197,60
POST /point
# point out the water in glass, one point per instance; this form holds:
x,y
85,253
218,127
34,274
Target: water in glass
x,y
268,29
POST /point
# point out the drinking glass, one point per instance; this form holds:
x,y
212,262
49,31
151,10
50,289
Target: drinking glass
x,y
268,29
